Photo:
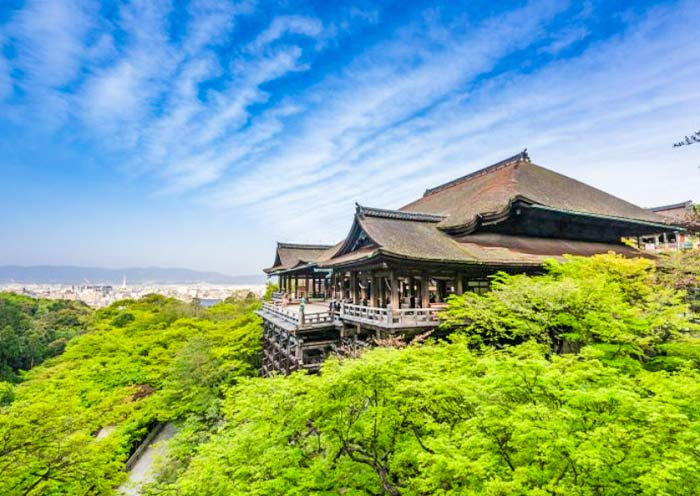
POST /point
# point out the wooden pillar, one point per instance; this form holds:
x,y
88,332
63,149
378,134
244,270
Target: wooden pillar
x,y
459,284
412,300
394,282
376,291
440,285
425,291
353,288
296,285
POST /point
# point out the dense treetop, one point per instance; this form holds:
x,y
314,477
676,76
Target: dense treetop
x,y
140,362
581,381
32,330
584,380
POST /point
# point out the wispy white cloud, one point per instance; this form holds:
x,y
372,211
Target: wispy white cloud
x,y
286,25
204,111
376,93
381,138
565,39
49,40
5,77
212,22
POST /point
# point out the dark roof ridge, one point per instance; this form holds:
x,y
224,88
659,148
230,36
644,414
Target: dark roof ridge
x,y
520,157
397,214
684,204
302,246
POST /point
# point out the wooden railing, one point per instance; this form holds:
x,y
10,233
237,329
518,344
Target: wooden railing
x,y
315,318
279,312
300,318
371,314
416,315
405,317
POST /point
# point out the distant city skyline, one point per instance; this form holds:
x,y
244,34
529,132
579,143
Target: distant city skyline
x,y
197,134
67,274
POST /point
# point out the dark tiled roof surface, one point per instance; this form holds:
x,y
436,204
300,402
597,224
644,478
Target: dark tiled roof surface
x,y
412,238
680,214
421,240
493,189
503,248
418,230
676,206
291,255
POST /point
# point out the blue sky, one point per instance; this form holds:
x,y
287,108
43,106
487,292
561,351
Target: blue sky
x,y
196,134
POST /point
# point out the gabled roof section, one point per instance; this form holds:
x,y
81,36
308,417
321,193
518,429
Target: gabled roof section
x,y
414,237
491,192
397,214
676,206
290,255
682,214
404,234
522,156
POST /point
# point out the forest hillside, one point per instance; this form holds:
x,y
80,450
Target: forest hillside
x,y
583,380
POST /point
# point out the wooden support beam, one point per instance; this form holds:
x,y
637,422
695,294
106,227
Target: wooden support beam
x,y
425,291
440,290
394,283
376,291
459,284
354,296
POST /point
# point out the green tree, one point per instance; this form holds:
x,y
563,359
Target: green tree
x,y
441,419
159,364
32,330
607,301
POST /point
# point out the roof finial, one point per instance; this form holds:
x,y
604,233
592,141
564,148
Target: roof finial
x,y
524,156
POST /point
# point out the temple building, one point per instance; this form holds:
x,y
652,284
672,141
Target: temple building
x,y
393,272
683,215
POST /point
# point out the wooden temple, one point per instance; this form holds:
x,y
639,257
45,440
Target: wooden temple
x,y
395,269
681,214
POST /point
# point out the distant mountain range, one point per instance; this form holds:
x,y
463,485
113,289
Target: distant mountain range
x,y
64,274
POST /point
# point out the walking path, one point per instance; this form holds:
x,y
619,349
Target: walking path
x,y
141,471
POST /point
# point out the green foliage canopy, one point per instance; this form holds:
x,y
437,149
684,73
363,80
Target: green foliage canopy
x,y
606,301
32,330
442,419
140,362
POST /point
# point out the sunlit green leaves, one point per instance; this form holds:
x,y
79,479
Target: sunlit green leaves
x,y
605,299
140,362
440,419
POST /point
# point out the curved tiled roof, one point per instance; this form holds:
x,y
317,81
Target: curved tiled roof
x,y
412,237
441,226
493,190
289,255
403,237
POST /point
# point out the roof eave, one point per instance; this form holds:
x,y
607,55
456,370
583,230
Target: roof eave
x,y
662,226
